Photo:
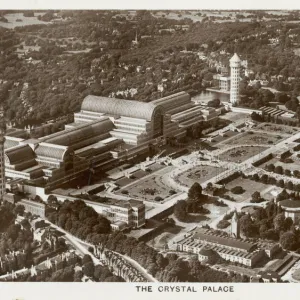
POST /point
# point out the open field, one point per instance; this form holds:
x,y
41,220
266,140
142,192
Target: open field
x,y
241,154
23,21
162,239
254,138
203,219
248,185
199,174
278,128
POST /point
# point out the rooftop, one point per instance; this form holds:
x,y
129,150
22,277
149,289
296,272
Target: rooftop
x,y
33,203
288,203
119,107
235,58
212,237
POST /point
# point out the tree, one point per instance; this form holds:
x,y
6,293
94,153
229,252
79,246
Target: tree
x,y
255,177
263,229
288,223
195,191
25,224
288,240
255,197
287,172
20,209
223,224
278,169
86,258
264,178
89,269
52,200
237,190
279,222
247,226
214,103
272,181
290,185
78,275
180,210
282,196
280,183
271,167
260,214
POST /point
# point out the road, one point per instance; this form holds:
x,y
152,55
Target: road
x,y
142,270
82,248
131,261
76,244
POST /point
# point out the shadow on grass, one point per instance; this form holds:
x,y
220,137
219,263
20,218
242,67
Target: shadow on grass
x,y
195,218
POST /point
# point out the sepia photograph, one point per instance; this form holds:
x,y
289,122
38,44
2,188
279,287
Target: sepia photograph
x,y
150,146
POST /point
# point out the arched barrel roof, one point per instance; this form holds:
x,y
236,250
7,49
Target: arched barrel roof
x,y
119,107
72,136
19,153
56,152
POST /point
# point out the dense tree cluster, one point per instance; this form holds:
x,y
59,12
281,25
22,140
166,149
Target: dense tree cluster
x,y
78,218
74,269
279,170
165,56
270,223
193,204
7,217
15,239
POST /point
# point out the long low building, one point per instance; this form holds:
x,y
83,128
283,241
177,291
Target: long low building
x,y
33,207
123,213
206,242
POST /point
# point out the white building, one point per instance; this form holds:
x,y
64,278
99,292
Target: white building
x,y
207,243
235,67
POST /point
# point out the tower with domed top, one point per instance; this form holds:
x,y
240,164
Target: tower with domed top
x,y
235,68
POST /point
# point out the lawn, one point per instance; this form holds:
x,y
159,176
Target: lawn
x,y
248,185
148,189
24,21
199,174
254,138
162,239
295,165
203,219
278,128
240,154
